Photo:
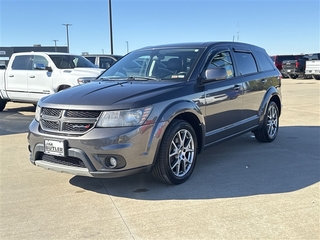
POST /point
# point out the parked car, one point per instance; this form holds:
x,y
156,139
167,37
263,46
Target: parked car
x,y
313,66
278,59
294,68
156,109
102,60
30,76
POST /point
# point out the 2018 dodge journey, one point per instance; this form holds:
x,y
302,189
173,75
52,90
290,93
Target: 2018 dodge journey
x,y
156,109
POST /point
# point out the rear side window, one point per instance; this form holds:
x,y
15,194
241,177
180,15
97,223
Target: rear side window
x,y
245,63
106,62
91,59
263,61
22,62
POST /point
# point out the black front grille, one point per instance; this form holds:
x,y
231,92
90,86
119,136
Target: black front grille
x,y
82,114
51,112
54,125
67,161
68,121
77,127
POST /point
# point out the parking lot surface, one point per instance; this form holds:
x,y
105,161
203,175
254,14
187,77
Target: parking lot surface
x,y
241,189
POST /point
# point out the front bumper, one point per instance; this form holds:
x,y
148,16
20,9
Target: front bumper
x,y
87,155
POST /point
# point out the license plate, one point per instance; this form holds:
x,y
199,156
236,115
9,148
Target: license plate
x,y
54,147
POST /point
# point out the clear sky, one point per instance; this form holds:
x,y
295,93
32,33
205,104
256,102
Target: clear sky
x,y
279,26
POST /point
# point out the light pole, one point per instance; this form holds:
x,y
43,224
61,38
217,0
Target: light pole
x,y
127,46
110,22
55,45
67,27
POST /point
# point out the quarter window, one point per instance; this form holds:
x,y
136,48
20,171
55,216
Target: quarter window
x,y
264,61
245,63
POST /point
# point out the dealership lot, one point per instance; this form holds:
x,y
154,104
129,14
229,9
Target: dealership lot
x,y
241,189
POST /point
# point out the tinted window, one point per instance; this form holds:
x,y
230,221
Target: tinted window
x,y
91,59
22,62
263,61
222,60
106,62
71,61
245,63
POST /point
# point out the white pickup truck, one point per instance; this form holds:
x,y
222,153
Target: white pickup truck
x,y
30,76
313,66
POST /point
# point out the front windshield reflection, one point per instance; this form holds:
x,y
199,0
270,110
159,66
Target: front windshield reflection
x,y
165,64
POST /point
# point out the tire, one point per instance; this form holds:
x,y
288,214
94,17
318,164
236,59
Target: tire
x,y
316,77
2,104
269,130
293,76
177,154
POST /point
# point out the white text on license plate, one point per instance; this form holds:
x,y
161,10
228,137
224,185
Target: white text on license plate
x,y
54,147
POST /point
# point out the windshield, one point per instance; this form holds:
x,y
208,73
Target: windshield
x,y
71,61
154,64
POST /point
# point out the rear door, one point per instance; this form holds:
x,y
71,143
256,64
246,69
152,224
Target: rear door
x,y
17,78
253,69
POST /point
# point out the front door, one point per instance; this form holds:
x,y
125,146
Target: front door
x,y
223,100
39,80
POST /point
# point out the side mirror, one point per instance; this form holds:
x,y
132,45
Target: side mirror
x,y
39,66
214,74
49,69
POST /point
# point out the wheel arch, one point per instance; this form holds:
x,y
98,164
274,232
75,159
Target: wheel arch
x,y
184,110
271,95
62,87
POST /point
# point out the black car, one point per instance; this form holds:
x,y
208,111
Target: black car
x,y
156,109
278,61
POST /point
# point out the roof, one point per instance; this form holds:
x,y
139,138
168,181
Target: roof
x,y
202,45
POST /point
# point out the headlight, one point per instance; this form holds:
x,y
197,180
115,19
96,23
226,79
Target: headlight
x,y
37,114
83,80
124,118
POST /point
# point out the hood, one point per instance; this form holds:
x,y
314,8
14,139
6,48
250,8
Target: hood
x,y
108,95
83,72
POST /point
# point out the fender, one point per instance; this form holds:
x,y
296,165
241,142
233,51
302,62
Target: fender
x,y
182,109
272,93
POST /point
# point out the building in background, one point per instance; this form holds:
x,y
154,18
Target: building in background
x,y
6,52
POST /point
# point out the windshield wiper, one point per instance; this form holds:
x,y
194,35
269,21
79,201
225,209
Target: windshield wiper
x,y
139,78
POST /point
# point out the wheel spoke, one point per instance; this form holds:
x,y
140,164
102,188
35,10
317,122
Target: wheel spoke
x,y
181,153
272,122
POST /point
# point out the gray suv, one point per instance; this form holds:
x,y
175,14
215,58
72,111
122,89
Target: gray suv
x,y
156,109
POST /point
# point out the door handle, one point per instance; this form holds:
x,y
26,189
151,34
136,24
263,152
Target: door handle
x,y
32,76
237,87
11,75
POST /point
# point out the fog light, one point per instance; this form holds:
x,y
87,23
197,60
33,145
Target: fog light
x,y
111,162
